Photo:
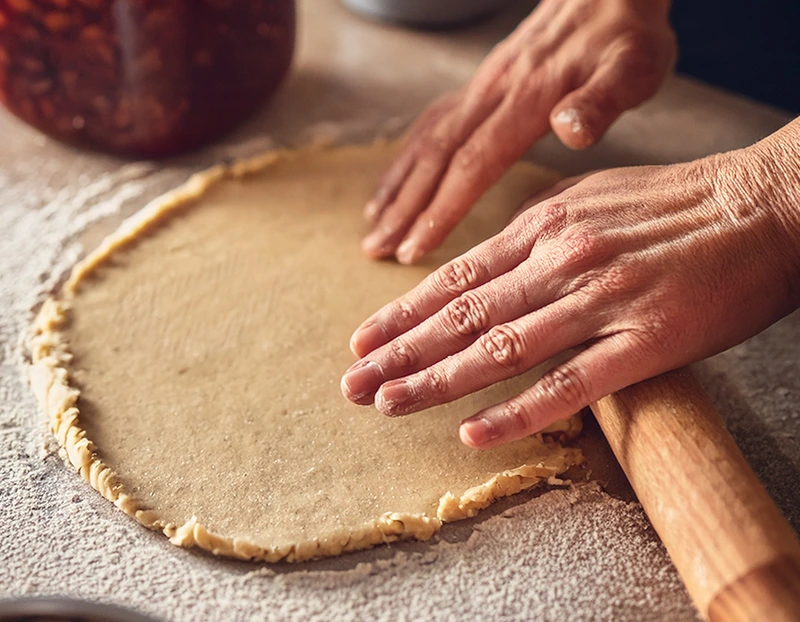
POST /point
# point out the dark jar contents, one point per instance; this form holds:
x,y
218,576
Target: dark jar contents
x,y
141,77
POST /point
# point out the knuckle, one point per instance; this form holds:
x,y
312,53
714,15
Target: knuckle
x,y
490,78
506,346
656,333
638,45
467,315
406,312
598,106
645,56
529,218
435,147
612,282
549,220
578,247
647,341
458,276
566,385
471,159
403,355
516,416
436,382
616,280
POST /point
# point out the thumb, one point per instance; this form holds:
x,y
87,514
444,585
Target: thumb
x,y
583,116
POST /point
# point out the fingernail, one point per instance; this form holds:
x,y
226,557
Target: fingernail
x,y
394,398
360,382
571,117
408,252
479,431
375,243
371,210
367,338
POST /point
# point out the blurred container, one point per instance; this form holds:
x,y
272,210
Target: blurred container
x,y
426,13
46,609
141,77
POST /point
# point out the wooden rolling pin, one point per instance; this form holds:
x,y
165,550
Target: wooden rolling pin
x,y
736,553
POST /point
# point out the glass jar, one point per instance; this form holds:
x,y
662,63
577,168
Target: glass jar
x,y
141,77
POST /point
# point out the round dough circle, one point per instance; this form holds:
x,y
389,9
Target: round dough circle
x,y
191,368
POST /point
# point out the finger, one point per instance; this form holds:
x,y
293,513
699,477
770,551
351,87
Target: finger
x,y
475,166
549,193
398,171
582,117
390,183
558,256
417,190
433,149
507,350
603,368
488,260
455,327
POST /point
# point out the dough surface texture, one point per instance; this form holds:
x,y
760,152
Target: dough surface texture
x,y
190,368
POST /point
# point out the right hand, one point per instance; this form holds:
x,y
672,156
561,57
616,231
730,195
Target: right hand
x,y
573,66
640,270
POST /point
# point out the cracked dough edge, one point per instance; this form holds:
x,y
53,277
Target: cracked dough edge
x,y
48,376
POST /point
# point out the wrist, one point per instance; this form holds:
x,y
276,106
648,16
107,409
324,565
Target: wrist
x,y
777,162
766,176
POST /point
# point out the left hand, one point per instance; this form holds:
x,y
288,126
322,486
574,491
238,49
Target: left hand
x,y
643,269
573,67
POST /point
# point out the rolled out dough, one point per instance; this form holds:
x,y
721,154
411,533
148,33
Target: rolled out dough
x,y
190,368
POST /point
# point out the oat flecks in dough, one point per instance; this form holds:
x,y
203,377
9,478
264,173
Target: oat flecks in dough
x,y
190,368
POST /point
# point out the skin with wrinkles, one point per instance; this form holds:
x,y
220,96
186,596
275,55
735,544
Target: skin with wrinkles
x,y
641,270
572,67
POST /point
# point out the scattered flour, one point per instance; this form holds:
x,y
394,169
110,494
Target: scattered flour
x,y
562,555
567,554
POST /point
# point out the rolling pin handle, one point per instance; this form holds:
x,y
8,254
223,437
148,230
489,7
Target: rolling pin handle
x,y
737,555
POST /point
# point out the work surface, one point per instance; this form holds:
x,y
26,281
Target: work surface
x,y
578,554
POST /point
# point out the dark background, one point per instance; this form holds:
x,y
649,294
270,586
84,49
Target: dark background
x,y
749,46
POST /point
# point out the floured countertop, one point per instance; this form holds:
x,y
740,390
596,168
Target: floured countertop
x,y
578,554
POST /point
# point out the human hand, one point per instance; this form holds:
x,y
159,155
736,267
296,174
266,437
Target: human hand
x,y
642,269
570,66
